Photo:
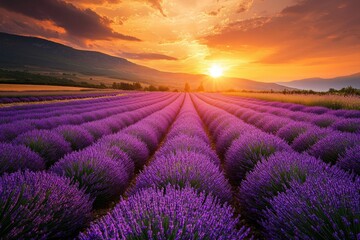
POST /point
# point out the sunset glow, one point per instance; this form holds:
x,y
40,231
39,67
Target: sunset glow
x,y
216,71
260,39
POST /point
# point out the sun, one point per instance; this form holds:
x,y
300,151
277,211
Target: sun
x,y
216,71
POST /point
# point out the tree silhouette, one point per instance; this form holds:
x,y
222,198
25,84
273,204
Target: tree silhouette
x,y
187,87
201,88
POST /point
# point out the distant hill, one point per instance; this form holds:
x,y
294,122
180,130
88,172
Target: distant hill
x,y
21,52
321,84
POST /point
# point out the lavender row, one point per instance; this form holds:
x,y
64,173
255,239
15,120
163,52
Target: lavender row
x,y
302,108
80,114
241,145
4,100
321,119
86,119
52,206
47,146
281,193
74,108
177,195
330,145
106,168
42,107
185,158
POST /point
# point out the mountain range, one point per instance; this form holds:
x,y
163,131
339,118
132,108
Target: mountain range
x,y
22,52
323,84
37,54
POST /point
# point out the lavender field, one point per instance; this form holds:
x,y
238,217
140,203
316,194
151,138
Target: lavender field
x,y
177,166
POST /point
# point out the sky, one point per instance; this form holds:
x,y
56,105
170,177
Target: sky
x,y
265,40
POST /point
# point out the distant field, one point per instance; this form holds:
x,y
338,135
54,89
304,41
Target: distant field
x,y
24,87
20,90
330,101
18,94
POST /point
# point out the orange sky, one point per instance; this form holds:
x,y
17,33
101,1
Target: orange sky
x,y
266,40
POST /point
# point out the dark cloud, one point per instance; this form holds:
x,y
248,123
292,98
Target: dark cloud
x,y
309,29
98,1
157,4
23,26
147,56
82,23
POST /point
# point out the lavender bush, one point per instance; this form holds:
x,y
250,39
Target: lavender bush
x,y
183,128
272,124
307,139
185,143
350,160
183,169
132,146
41,206
119,156
9,131
347,125
167,214
228,135
97,128
325,120
273,176
77,136
18,157
246,151
321,208
145,134
99,175
291,131
49,144
333,145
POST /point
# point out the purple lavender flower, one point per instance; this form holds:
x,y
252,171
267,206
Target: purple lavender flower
x,y
98,174
321,208
185,143
307,139
273,176
132,146
113,122
182,169
183,128
272,124
97,128
347,125
296,107
49,144
145,134
292,130
217,127
334,145
316,110
9,131
159,124
168,214
248,114
346,113
301,116
255,118
246,151
18,157
230,134
119,156
77,136
39,205
350,160
325,120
